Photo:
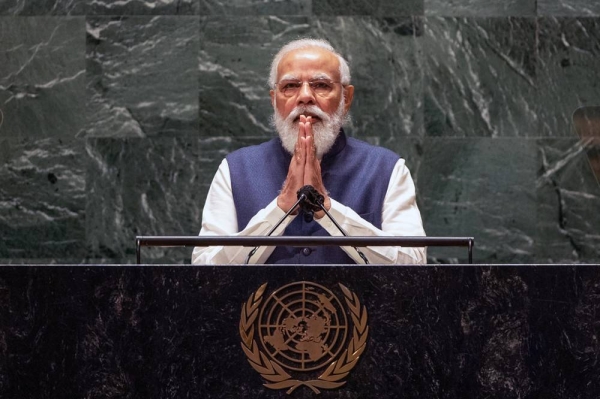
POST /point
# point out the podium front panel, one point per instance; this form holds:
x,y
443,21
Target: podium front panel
x,y
456,331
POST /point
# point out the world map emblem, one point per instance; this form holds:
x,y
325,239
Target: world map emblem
x,y
302,334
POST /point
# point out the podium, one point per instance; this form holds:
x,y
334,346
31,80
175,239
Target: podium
x,y
164,331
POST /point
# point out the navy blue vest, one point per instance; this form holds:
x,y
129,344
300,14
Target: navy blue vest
x,y
355,173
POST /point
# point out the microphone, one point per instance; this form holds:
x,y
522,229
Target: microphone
x,y
312,203
301,198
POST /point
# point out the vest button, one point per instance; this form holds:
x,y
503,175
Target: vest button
x,y
306,251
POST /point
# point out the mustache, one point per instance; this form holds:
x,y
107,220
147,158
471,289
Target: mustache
x,y
304,109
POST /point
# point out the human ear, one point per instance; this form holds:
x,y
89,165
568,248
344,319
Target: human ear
x,y
348,97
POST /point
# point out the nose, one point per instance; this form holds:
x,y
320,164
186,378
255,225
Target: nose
x,y
305,95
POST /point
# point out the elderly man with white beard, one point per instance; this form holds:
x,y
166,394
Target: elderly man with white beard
x,y
367,189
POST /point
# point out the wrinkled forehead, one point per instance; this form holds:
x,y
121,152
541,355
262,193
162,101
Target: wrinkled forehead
x,y
309,63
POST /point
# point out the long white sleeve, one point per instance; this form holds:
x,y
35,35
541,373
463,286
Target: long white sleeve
x,y
401,217
219,218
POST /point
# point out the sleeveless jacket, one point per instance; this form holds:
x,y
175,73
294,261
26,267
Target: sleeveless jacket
x,y
355,174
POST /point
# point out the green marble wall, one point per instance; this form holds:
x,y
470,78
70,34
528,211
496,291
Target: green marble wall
x,y
117,114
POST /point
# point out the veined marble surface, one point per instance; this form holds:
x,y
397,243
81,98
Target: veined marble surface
x,y
43,7
482,185
584,8
253,7
142,7
569,71
564,209
141,76
481,8
378,8
42,77
130,106
481,77
42,200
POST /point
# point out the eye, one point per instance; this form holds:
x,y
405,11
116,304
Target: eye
x,y
290,86
320,85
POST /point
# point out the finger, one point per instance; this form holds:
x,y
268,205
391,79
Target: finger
x,y
311,150
301,141
302,127
298,150
308,124
312,168
294,179
305,138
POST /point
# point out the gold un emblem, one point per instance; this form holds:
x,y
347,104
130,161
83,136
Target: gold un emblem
x,y
301,335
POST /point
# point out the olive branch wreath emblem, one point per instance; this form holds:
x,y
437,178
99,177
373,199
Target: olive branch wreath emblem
x,y
332,377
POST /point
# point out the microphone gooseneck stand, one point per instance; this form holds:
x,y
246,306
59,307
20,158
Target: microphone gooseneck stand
x,y
314,203
301,198
310,201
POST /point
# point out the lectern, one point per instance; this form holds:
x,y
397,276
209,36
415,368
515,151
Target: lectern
x,y
325,331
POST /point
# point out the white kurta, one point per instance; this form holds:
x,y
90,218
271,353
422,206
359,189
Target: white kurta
x,y
401,217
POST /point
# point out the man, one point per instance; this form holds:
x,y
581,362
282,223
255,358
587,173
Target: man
x,y
367,189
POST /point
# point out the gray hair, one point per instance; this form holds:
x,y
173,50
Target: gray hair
x,y
306,43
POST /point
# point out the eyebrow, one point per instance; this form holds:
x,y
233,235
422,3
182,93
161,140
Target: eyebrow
x,y
289,77
322,76
316,76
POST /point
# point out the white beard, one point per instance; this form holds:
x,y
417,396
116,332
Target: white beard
x,y
325,131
